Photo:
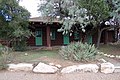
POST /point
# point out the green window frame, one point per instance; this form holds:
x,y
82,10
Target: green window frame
x,y
53,34
76,35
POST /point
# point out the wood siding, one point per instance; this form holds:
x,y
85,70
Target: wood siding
x,y
59,37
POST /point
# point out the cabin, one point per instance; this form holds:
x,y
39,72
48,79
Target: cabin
x,y
46,34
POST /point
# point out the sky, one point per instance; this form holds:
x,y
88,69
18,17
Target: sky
x,y
31,6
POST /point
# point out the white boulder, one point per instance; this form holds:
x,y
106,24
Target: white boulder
x,y
20,67
58,66
44,68
102,60
81,68
51,64
107,68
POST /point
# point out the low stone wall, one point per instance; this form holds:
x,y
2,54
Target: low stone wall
x,y
105,67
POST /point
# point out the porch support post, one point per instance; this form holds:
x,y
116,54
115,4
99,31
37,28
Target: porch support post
x,y
48,36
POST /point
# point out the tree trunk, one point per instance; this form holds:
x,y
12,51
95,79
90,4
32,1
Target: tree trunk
x,y
99,37
100,32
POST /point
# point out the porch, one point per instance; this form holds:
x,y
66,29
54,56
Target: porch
x,y
47,35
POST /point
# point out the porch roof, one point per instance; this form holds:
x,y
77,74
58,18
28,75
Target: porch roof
x,y
44,19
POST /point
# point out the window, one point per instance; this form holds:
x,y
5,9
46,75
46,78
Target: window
x,y
76,35
52,34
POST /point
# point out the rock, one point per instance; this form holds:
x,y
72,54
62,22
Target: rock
x,y
52,64
117,69
112,56
20,67
44,68
107,68
58,65
101,53
108,55
117,56
81,68
26,54
69,69
105,54
102,60
63,47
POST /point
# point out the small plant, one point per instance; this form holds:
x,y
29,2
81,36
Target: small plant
x,y
78,51
19,45
4,56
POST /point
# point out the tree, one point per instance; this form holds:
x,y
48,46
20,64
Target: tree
x,y
114,9
68,12
13,21
80,12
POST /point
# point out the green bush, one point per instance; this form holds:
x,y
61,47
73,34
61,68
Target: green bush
x,y
78,51
4,56
19,45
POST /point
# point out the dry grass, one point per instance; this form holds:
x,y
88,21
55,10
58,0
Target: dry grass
x,y
110,49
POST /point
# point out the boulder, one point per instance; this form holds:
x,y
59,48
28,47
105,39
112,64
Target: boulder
x,y
117,69
102,60
58,66
44,68
20,67
51,64
107,68
81,68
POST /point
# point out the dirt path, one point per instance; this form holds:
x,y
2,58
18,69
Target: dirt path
x,y
5,75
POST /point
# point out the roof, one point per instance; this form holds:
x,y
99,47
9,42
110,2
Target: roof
x,y
43,19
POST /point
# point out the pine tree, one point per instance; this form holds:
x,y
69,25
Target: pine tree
x,y
13,21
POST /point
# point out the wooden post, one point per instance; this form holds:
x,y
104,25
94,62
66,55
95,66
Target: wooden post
x,y
48,36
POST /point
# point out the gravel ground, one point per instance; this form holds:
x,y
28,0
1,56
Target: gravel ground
x,y
6,75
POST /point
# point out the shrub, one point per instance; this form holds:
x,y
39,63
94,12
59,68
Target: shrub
x,y
78,51
4,56
19,45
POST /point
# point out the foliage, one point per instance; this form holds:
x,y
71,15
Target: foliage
x,y
4,55
98,9
114,22
115,9
79,52
78,14
71,12
19,45
13,21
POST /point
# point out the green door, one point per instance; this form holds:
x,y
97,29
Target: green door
x,y
89,39
38,38
66,39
